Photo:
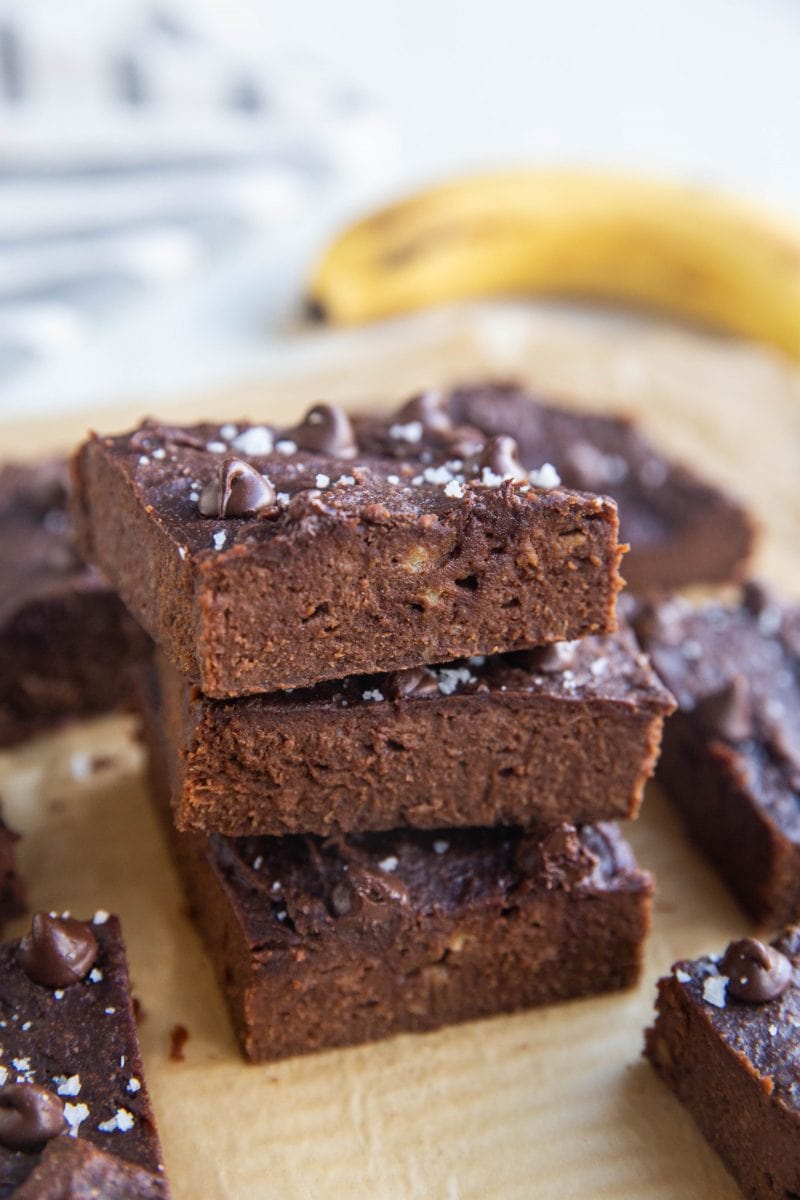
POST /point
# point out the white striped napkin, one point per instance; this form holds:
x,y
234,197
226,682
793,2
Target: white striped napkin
x,y
135,139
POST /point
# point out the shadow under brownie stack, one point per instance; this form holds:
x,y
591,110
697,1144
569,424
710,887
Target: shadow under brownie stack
x,y
390,717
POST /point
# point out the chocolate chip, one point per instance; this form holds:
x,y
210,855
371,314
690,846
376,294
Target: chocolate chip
x,y
500,455
756,972
430,409
29,1116
239,490
58,951
727,712
416,681
326,429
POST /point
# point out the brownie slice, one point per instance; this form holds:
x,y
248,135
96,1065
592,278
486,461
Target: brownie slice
x,y
567,733
725,1041
12,892
731,754
65,637
70,1068
681,530
262,559
330,943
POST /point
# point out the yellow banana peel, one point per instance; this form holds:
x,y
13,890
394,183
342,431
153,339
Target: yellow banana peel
x,y
682,250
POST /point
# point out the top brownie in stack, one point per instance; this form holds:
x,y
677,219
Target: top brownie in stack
x,y
263,559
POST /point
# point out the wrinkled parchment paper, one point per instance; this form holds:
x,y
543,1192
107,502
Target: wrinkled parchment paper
x,y
549,1104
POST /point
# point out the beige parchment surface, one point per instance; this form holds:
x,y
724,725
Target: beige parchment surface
x,y
549,1104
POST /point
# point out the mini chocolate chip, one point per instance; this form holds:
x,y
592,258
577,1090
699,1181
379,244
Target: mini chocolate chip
x,y
415,681
58,951
29,1116
501,456
326,429
727,712
430,409
756,972
238,490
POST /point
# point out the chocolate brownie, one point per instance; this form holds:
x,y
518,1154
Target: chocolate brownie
x,y
725,1041
262,559
12,893
731,754
681,529
567,732
65,637
330,943
70,1068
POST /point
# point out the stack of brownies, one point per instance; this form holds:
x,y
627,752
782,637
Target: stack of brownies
x,y
389,717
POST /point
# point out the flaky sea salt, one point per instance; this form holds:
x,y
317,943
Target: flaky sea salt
x,y
454,489
714,989
546,477
219,539
372,694
390,863
67,1085
257,440
75,1115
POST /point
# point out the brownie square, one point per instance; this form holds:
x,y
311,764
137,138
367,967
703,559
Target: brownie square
x,y
725,1041
681,529
567,733
261,559
324,943
731,754
70,1068
65,637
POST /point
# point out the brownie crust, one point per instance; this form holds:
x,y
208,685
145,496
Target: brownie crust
x,y
735,1066
410,549
681,529
731,754
570,733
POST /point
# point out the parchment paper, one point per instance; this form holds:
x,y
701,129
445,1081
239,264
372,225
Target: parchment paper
x,y
548,1104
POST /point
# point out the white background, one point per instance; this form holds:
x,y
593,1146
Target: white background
x,y
704,90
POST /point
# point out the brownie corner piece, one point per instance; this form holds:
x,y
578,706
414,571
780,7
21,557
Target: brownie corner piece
x,y
730,759
725,1042
74,1106
262,558
65,636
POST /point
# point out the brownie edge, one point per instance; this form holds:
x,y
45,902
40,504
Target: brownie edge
x,y
725,1042
379,555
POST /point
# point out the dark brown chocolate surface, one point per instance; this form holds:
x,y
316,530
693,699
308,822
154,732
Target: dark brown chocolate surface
x,y
416,544
12,892
65,637
566,733
681,530
321,944
79,1043
731,754
735,1064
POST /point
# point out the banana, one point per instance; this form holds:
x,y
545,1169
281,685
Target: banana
x,y
682,250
